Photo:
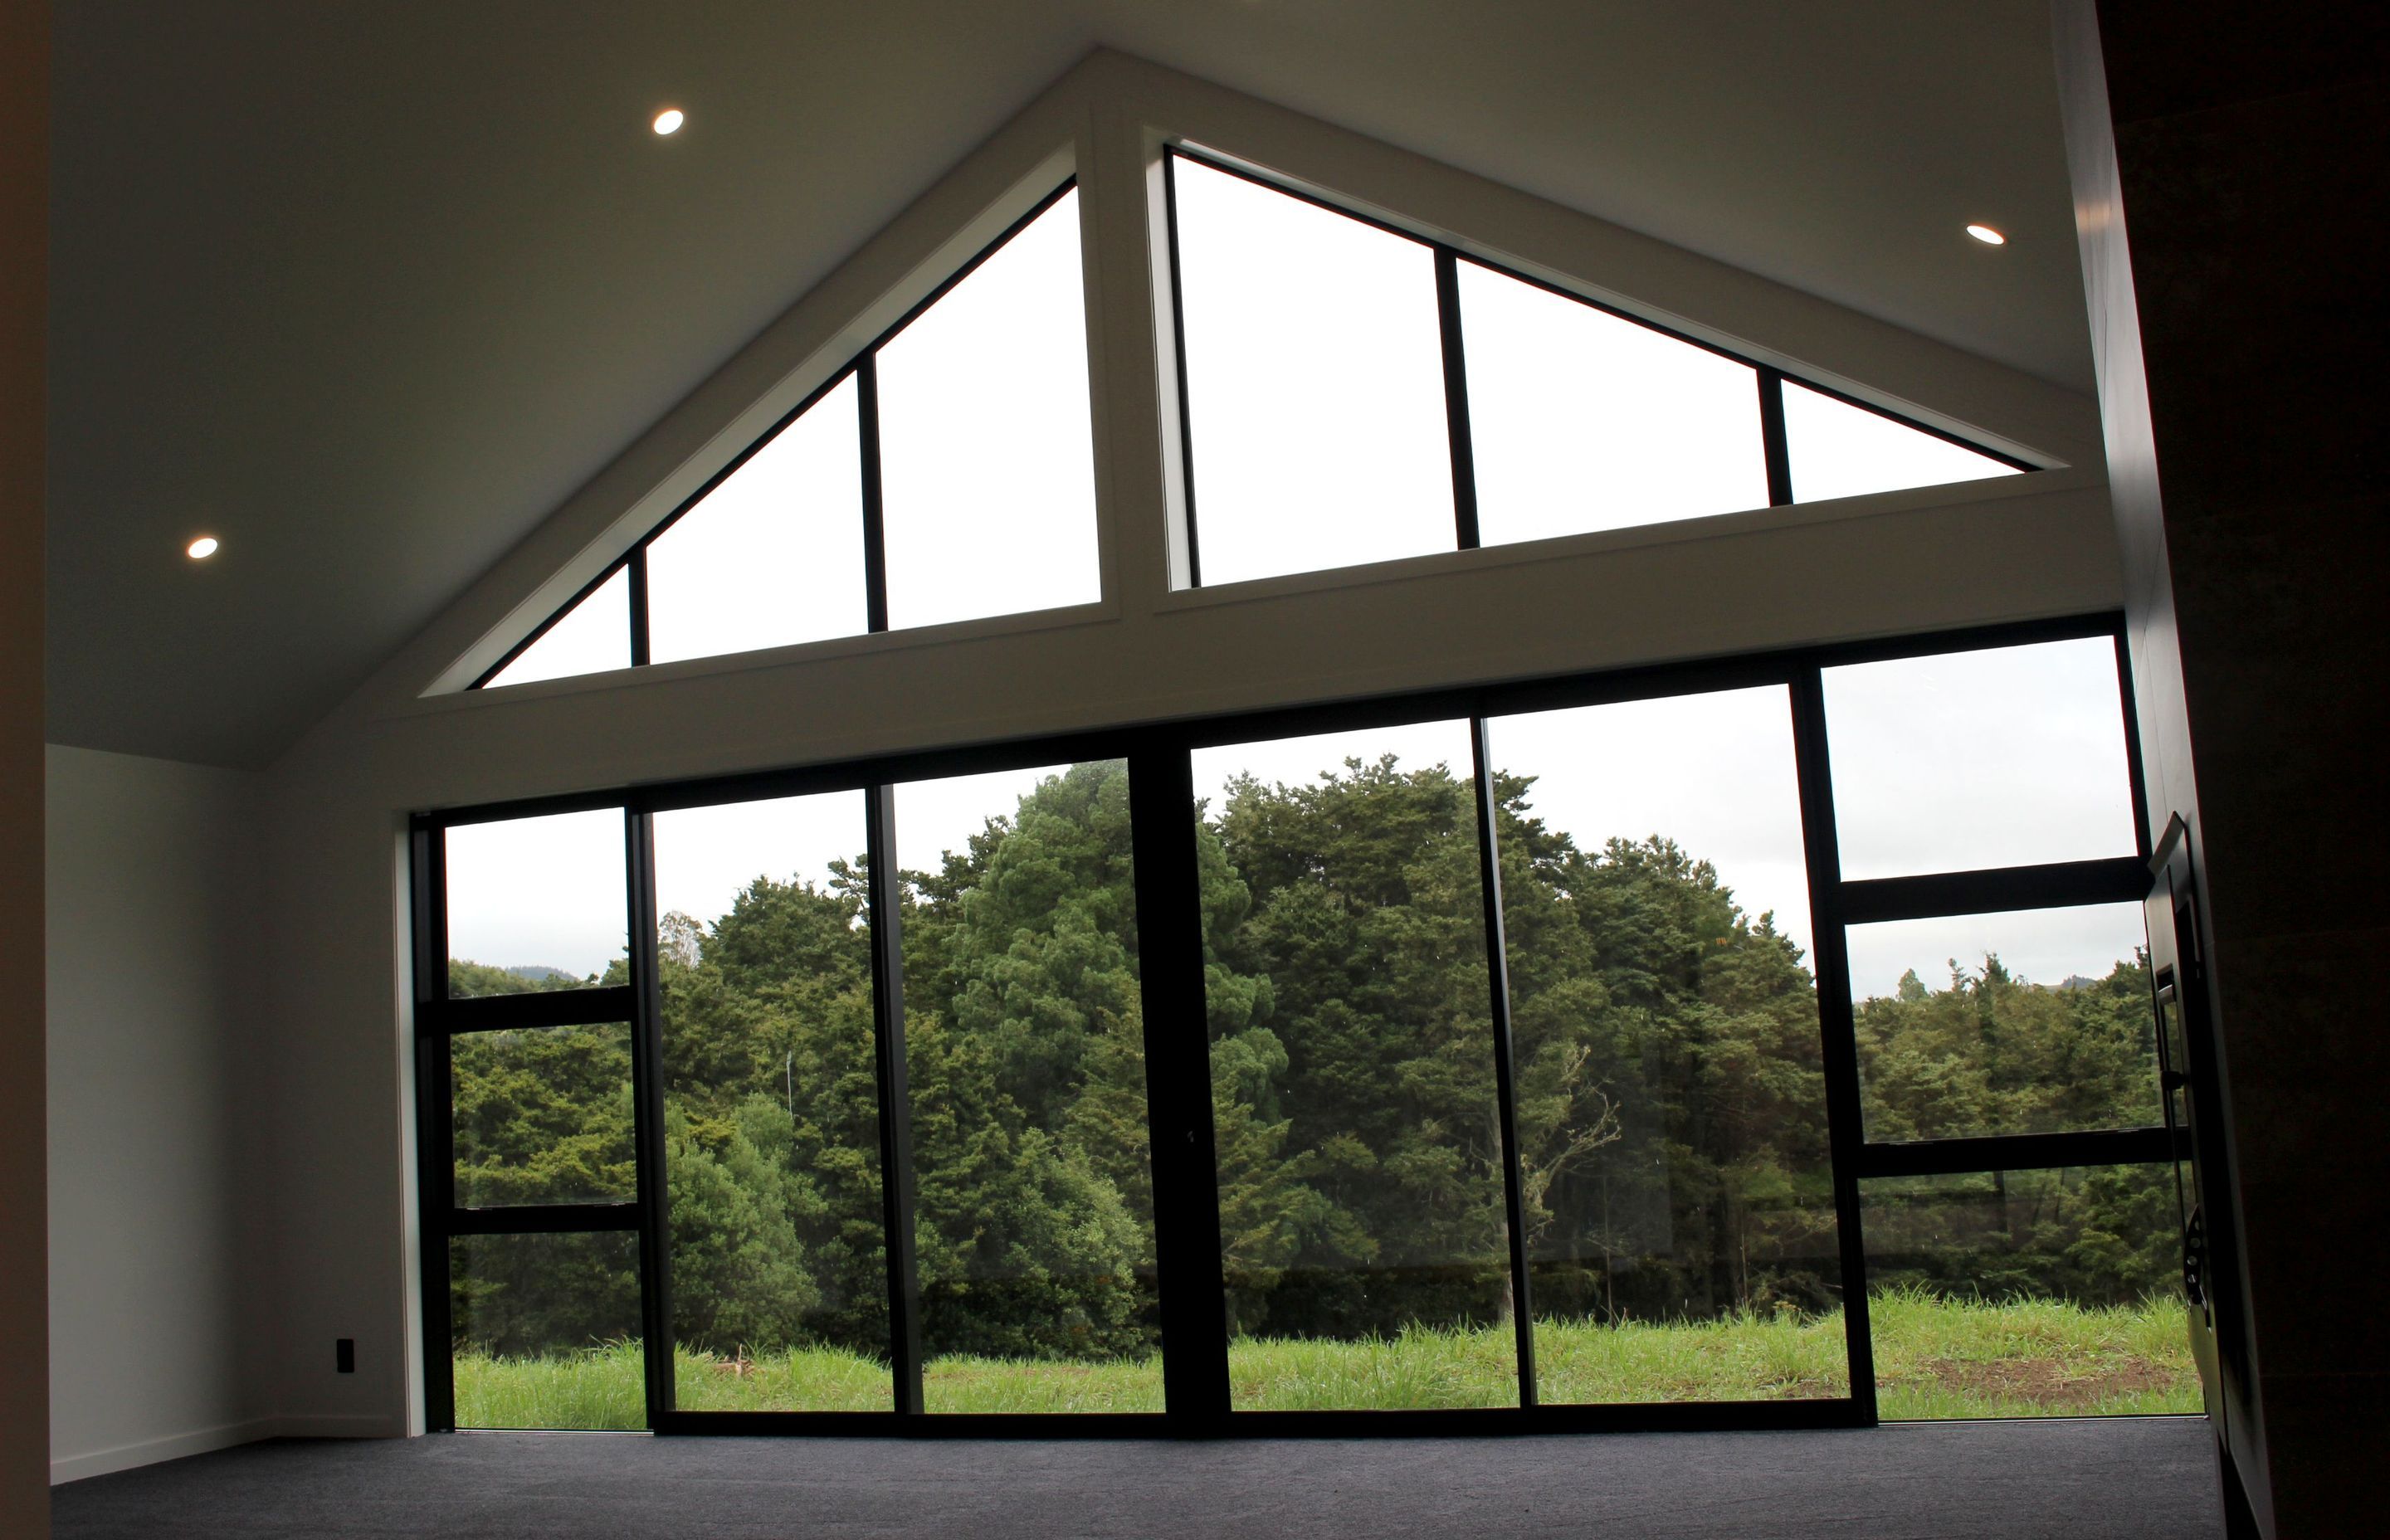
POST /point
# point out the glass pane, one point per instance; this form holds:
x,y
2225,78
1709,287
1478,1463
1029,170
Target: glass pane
x,y
2031,1293
1581,421
986,442
774,555
536,903
1962,760
2034,1021
1024,1043
779,1271
591,638
1671,1100
543,1115
546,1330
1315,383
1839,450
1361,1211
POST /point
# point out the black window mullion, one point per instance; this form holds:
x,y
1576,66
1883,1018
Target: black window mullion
x,y
1829,965
548,1219
1455,398
1179,335
1772,440
647,1114
436,1190
875,528
897,1204
1965,1157
542,1007
637,563
435,1148
1178,1085
1498,975
2054,885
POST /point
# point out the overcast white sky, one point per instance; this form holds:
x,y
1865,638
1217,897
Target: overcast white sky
x,y
1315,385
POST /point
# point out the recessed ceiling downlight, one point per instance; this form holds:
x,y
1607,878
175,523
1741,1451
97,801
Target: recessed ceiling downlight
x,y
202,549
1988,236
669,120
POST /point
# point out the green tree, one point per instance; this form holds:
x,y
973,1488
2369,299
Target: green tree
x,y
771,1136
1672,1143
1024,1040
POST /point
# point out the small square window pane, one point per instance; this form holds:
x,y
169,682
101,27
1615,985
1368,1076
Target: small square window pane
x,y
1580,421
544,1332
2028,1294
986,442
591,638
2032,1021
536,903
772,556
543,1115
1963,761
1315,383
1839,450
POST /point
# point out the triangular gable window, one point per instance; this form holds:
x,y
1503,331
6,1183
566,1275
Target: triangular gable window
x,y
1582,420
591,636
947,473
1839,450
1314,389
1352,393
773,555
986,442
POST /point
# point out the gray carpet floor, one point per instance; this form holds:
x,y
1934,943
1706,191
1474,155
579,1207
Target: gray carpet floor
x,y
2085,1480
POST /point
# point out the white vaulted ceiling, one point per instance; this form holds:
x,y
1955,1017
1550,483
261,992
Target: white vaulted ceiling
x,y
368,290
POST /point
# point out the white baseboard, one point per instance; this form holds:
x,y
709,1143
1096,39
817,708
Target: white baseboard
x,y
125,1456
128,1456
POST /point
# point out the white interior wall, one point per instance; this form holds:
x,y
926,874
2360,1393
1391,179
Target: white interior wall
x,y
337,1034
154,955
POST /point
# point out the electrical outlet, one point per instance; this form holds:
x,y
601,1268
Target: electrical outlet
x,y
344,1356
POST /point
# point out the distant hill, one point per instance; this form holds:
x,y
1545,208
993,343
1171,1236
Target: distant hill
x,y
468,979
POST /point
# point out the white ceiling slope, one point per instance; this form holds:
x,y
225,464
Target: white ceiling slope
x,y
368,290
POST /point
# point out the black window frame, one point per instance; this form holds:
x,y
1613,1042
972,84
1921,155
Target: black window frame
x,y
1179,1111
1774,442
864,369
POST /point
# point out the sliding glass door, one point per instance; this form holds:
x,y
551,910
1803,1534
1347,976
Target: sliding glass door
x,y
1033,1193
1683,1237
1587,1053
778,1244
1357,1128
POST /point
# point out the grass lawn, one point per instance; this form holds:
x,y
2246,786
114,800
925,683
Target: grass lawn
x,y
1935,1359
